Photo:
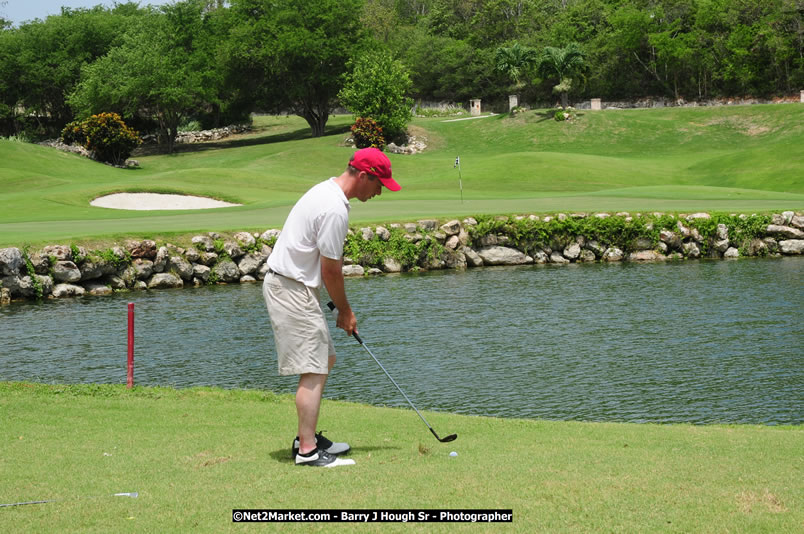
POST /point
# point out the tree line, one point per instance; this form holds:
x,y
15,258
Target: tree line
x,y
217,61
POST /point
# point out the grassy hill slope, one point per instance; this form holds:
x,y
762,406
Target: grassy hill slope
x,y
747,158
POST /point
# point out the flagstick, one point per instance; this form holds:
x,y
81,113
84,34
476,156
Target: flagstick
x,y
460,179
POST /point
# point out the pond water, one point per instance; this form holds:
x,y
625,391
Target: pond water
x,y
693,341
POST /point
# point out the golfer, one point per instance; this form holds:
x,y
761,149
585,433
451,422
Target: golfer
x,y
309,252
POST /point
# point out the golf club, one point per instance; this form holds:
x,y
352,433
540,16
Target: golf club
x,y
132,494
446,439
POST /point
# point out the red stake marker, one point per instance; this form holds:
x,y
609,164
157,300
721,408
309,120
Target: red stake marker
x,y
130,381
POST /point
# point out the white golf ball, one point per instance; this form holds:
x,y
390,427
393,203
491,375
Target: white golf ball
x,y
453,453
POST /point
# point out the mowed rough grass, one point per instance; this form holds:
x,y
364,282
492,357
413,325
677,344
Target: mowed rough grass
x,y
744,158
194,455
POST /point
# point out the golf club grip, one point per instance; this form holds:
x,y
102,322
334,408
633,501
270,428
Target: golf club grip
x,y
331,307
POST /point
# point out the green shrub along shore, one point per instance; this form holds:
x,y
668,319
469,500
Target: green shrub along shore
x,y
195,454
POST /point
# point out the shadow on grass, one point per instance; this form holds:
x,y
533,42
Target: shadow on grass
x,y
245,140
283,455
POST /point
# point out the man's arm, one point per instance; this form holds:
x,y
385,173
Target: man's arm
x,y
332,274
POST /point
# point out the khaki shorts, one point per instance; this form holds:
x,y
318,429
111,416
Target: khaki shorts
x,y
301,335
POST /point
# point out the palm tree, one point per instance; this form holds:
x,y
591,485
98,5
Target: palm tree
x,y
514,61
564,63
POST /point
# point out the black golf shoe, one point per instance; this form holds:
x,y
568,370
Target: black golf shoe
x,y
321,458
324,444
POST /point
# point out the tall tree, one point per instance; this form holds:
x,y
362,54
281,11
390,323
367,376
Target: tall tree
x,y
514,62
377,87
158,71
566,64
50,54
294,53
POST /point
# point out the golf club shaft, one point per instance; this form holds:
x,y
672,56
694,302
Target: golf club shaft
x,y
133,494
357,337
362,343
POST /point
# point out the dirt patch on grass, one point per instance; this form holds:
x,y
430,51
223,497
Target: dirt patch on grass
x,y
206,459
749,502
743,126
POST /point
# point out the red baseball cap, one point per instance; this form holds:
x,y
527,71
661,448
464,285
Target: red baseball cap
x,y
374,161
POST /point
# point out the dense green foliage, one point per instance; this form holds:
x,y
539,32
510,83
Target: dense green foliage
x,y
218,61
376,88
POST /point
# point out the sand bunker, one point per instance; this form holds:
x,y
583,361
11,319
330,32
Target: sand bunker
x,y
157,201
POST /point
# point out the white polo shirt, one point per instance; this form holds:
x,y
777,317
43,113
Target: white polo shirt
x,y
316,226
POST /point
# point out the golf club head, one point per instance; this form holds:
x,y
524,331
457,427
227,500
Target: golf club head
x,y
451,437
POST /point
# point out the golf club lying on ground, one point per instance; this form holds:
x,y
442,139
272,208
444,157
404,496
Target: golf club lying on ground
x,y
446,439
132,494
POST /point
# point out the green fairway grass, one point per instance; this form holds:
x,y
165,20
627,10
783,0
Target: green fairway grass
x,y
742,158
194,455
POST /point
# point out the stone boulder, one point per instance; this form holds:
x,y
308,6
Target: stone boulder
x,y
19,286
671,239
391,265
646,255
233,249
367,234
353,270
165,281
201,272
496,255
613,254
383,233
203,243
249,264
245,239
428,225
270,235
572,252
262,272
792,246
180,266
587,256
161,259
40,262
557,257
473,259
98,289
66,271
94,268
785,231
208,258
691,250
226,271
451,228
68,290
58,252
142,249
10,261
143,269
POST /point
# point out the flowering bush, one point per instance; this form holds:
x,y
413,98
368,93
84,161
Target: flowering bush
x,y
105,135
565,114
73,133
367,133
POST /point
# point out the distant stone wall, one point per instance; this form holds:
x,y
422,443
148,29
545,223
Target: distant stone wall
x,y
58,271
